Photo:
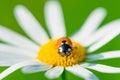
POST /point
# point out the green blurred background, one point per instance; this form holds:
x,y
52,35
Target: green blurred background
x,y
75,14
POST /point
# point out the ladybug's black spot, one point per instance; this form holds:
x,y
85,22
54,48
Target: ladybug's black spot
x,y
63,41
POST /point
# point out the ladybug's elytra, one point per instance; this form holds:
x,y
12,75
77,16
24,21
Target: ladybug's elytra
x,y
64,46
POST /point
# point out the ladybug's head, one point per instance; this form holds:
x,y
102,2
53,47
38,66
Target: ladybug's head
x,y
64,46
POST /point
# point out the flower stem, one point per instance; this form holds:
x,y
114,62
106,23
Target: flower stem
x,y
64,75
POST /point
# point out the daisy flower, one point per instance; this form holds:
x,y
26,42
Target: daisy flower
x,y
58,53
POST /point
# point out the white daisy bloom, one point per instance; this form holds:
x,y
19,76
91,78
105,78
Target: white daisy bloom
x,y
62,53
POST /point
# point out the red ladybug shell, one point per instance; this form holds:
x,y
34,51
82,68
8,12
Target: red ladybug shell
x,y
59,42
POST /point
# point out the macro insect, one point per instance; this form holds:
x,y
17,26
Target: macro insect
x,y
64,46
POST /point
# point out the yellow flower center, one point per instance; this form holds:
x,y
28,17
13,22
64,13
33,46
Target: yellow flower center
x,y
49,54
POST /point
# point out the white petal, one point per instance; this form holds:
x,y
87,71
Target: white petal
x,y
100,33
16,39
108,37
10,55
103,68
54,19
54,72
14,68
82,72
105,55
16,50
52,0
35,68
30,25
91,24
8,59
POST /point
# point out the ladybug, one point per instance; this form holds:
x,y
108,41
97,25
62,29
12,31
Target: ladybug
x,y
64,46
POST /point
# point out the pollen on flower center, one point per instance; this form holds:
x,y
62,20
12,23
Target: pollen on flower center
x,y
51,55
